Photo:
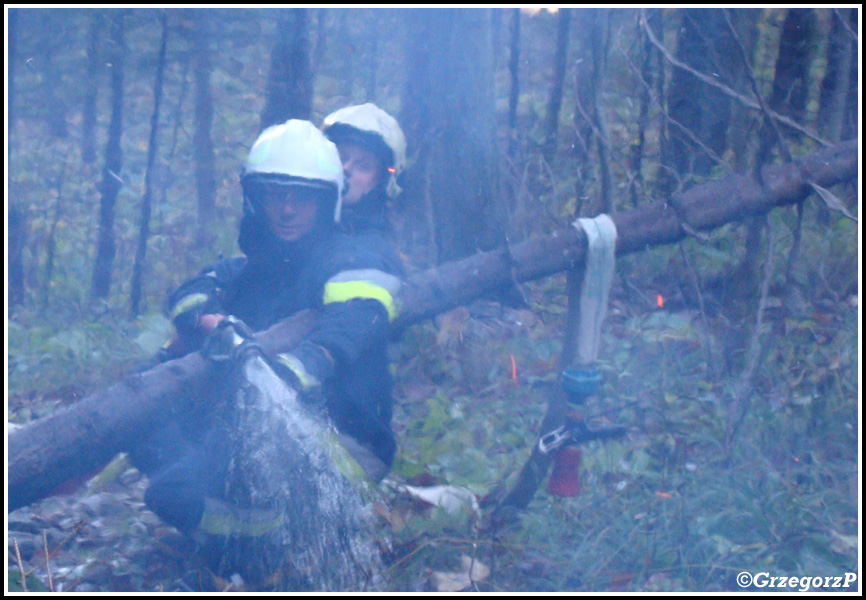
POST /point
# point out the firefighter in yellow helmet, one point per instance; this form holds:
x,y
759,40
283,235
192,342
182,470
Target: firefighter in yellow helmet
x,y
373,152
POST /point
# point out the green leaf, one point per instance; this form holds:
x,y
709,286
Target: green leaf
x,y
34,584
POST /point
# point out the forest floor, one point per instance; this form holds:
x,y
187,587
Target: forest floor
x,y
678,504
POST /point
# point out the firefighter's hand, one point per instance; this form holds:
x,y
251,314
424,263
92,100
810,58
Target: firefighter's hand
x,y
206,323
182,345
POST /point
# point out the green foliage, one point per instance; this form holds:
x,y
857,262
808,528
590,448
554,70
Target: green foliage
x,y
666,508
53,360
33,583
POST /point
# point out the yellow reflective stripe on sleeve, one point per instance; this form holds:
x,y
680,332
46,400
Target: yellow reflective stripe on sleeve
x,y
294,364
188,302
222,518
390,282
343,291
370,284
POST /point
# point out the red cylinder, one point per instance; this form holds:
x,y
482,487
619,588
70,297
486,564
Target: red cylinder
x,y
565,480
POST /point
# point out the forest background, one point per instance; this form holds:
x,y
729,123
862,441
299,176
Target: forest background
x,y
732,357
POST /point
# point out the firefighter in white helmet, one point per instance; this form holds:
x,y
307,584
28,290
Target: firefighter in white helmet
x,y
373,152
295,259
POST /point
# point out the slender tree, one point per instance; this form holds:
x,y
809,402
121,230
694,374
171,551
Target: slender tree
x,y
111,181
16,222
650,74
514,72
203,150
144,226
321,39
836,82
554,102
452,53
589,120
12,38
745,31
51,84
52,234
852,103
791,80
94,66
701,112
290,82
372,67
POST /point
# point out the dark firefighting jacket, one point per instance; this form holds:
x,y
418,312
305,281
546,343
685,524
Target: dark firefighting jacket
x,y
352,280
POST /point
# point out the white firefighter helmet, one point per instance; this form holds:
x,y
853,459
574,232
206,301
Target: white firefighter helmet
x,y
373,124
297,153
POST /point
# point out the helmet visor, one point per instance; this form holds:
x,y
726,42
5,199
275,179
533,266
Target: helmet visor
x,y
262,190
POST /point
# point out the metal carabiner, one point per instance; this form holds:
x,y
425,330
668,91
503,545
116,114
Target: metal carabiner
x,y
553,440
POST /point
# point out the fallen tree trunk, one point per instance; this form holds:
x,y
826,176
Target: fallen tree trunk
x,y
706,206
84,436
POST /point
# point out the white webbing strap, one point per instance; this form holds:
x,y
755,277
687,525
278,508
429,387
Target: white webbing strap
x,y
595,287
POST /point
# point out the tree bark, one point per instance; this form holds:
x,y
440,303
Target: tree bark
x,y
144,227
111,181
514,72
17,231
836,82
16,222
589,121
203,150
554,102
706,45
449,115
12,37
88,112
290,83
86,435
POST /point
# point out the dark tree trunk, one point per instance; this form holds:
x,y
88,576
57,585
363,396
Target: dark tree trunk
x,y
852,104
599,40
52,85
144,227
94,67
745,24
111,181
86,435
52,239
203,151
290,82
554,102
321,39
589,120
791,80
449,115
514,72
373,66
17,232
16,224
836,82
584,101
12,58
178,120
346,52
706,45
464,158
414,224
647,55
